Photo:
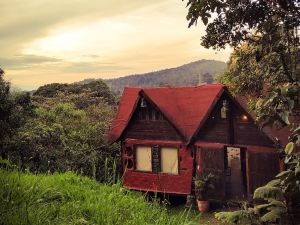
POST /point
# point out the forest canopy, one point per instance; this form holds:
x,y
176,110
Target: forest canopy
x,y
62,127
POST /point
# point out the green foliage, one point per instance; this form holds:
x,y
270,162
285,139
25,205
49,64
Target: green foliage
x,y
71,199
236,217
14,110
203,184
269,193
231,22
82,95
6,107
64,129
270,211
264,67
51,90
63,138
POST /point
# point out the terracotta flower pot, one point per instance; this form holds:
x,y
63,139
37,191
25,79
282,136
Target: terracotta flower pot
x,y
203,206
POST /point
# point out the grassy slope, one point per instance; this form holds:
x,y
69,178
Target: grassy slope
x,y
71,199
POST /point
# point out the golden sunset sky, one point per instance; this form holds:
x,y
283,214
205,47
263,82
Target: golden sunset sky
x,y
46,41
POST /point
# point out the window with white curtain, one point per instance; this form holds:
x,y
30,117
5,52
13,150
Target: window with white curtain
x,y
143,158
169,160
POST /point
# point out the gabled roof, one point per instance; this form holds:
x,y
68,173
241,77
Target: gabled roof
x,y
185,107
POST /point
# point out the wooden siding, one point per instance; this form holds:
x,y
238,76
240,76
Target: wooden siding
x,y
247,133
258,171
146,127
159,182
232,130
211,160
215,130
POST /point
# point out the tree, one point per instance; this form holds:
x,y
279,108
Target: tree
x,y
265,63
265,68
14,109
5,108
62,137
96,90
232,21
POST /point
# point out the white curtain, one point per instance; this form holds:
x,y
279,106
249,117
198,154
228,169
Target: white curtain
x,y
143,158
169,160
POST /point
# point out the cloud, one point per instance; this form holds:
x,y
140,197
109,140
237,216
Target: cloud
x,y
44,41
24,21
25,61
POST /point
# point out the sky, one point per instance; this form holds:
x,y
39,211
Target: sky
x,y
47,41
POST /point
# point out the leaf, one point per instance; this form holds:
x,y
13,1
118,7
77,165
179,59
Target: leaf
x,y
283,173
268,193
274,183
279,204
285,117
271,216
262,206
205,20
297,129
289,148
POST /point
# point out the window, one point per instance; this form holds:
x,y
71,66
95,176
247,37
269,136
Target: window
x,y
157,159
169,160
143,157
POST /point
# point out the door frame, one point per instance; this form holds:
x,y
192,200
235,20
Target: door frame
x,y
243,161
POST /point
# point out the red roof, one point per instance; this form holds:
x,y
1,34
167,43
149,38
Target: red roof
x,y
185,107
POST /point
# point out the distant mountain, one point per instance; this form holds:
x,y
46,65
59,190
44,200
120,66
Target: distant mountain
x,y
191,74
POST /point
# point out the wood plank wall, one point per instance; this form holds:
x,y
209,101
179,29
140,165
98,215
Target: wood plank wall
x,y
232,130
149,127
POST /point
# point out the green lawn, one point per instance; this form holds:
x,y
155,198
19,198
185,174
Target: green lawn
x,y
71,199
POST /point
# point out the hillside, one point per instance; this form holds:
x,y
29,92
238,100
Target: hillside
x,y
202,71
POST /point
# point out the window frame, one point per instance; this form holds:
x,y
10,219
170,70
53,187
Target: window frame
x,y
177,147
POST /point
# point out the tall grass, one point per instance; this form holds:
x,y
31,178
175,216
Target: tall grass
x,y
71,199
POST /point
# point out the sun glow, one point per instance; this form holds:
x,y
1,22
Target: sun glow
x,y
94,38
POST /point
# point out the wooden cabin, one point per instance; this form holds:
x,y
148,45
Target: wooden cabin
x,y
168,134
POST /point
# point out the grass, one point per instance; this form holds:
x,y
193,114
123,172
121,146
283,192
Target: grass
x,y
195,217
71,199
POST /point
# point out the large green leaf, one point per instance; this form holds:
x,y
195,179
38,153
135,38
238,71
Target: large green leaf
x,y
271,216
283,174
268,193
274,183
289,148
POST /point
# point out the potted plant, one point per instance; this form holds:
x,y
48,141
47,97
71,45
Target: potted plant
x,y
203,184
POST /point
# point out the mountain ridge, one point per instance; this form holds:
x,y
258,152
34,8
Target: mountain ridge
x,y
189,74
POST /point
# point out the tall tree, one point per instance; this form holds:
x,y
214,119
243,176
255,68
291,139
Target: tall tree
x,y
265,63
14,108
6,106
264,66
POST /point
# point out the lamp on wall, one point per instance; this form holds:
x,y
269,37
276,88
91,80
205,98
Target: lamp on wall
x,y
224,109
244,118
143,103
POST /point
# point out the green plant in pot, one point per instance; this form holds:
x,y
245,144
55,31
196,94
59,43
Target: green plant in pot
x,y
203,184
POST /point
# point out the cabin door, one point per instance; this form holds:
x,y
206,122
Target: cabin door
x,y
235,172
